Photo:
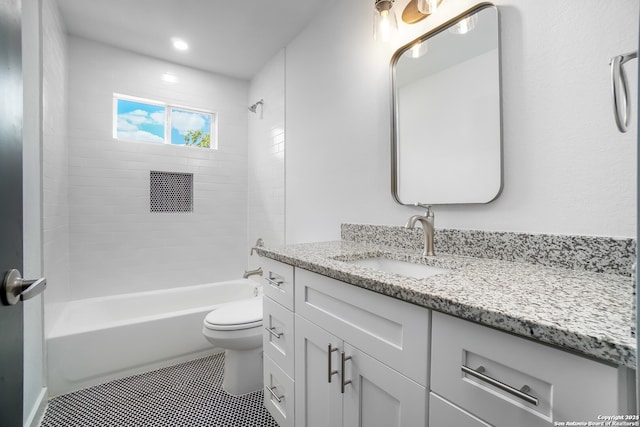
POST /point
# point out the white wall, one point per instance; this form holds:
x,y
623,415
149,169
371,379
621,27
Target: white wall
x,y
266,156
55,156
116,244
567,169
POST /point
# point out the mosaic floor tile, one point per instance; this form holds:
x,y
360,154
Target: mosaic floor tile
x,y
185,395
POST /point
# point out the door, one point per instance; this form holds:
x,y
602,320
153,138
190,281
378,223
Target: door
x,y
11,325
318,402
379,396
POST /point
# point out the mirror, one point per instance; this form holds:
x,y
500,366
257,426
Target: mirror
x,y
447,139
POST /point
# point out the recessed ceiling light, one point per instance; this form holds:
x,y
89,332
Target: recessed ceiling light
x,y
170,77
180,44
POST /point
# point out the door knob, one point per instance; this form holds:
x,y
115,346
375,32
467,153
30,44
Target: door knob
x,y
14,288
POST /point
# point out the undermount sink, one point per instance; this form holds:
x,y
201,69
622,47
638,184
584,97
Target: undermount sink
x,y
403,268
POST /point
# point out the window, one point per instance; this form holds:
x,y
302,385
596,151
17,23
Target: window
x,y
138,119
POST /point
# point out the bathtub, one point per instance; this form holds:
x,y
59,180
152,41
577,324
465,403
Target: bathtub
x,y
95,340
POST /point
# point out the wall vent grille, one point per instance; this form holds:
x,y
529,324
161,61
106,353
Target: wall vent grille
x,y
171,191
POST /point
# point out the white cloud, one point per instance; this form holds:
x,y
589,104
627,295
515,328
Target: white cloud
x,y
129,125
157,117
184,121
125,125
137,117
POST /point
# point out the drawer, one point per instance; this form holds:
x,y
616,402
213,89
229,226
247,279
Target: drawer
x,y
277,336
278,393
443,413
566,387
278,282
392,331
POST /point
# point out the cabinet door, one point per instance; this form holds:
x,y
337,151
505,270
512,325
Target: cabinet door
x,y
318,401
378,396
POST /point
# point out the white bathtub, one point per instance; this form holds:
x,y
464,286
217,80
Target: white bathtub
x,y
100,339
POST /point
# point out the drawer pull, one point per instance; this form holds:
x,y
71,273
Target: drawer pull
x,y
329,370
273,281
344,383
273,332
522,393
274,394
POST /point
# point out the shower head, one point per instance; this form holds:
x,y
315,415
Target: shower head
x,y
254,107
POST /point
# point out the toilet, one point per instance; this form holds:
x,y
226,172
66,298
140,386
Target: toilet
x,y
237,328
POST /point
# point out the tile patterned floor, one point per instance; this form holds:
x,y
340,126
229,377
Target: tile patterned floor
x,y
185,395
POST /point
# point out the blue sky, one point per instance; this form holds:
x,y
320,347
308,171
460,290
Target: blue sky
x,y
182,121
139,121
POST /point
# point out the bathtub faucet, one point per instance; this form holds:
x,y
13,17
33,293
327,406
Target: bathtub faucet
x,y
427,221
256,272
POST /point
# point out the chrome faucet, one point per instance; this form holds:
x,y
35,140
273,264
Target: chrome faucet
x,y
249,273
427,221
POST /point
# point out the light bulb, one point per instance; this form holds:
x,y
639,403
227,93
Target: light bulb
x,y
385,26
427,7
384,22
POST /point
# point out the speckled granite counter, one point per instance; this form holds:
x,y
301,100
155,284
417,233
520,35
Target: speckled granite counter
x,y
586,312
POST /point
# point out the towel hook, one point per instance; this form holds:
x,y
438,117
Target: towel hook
x,y
620,90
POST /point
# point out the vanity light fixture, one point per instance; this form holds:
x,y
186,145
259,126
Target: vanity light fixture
x,y
179,44
385,22
417,10
427,7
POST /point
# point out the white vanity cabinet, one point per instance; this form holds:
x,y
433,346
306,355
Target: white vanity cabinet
x,y
481,376
278,341
360,357
337,355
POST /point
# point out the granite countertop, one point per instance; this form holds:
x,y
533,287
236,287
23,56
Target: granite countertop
x,y
586,312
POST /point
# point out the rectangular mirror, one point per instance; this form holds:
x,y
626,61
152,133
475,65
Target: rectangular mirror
x,y
446,131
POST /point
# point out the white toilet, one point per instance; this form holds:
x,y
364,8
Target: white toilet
x,y
237,327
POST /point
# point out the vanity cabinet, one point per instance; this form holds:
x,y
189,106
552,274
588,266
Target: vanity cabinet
x,y
336,354
356,357
278,341
481,376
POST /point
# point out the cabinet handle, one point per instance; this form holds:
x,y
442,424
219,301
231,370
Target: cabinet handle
x,y
273,332
330,372
273,281
343,383
274,394
522,393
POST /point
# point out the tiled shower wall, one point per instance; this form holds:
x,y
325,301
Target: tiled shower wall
x,y
116,244
55,155
267,156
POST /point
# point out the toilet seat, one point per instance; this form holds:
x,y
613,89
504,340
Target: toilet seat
x,y
245,314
